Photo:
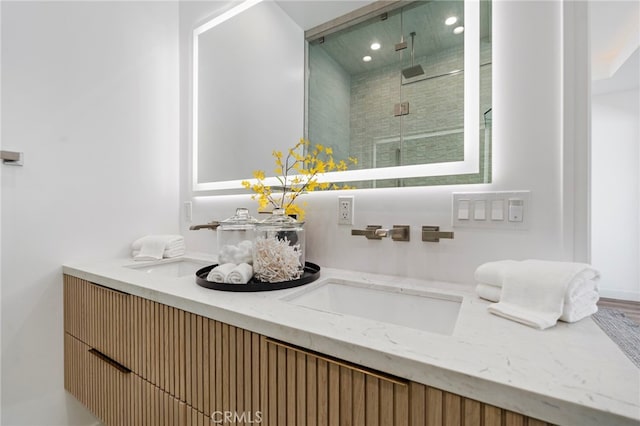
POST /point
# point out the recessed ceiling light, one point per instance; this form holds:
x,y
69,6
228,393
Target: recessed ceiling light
x,y
458,30
451,20
366,58
375,46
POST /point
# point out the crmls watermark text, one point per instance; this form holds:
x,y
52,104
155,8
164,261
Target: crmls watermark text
x,y
233,417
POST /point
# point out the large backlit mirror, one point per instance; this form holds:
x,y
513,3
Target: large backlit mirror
x,y
405,87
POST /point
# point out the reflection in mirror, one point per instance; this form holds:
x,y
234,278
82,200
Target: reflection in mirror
x,y
421,119
391,92
244,61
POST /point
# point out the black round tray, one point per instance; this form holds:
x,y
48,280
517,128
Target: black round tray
x,y
310,274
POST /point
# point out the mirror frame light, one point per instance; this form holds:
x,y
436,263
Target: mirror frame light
x,y
469,165
208,186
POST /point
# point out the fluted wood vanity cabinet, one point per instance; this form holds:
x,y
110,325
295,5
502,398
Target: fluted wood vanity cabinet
x,y
133,361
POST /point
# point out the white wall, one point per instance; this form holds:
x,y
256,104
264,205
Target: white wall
x,y
616,192
527,155
90,94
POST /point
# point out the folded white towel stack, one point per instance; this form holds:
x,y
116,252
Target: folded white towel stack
x,y
241,274
538,293
155,247
220,273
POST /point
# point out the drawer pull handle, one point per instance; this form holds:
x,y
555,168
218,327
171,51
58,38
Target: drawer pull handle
x,y
378,374
110,361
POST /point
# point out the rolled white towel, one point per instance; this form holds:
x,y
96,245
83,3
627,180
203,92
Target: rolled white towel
x,y
488,292
533,291
241,274
581,307
220,273
578,313
572,311
492,273
582,285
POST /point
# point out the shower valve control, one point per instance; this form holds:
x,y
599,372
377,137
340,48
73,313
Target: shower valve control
x,y
401,109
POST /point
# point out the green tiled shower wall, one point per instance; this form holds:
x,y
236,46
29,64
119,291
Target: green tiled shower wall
x,y
351,114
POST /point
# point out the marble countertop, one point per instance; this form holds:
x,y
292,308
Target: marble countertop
x,y
571,374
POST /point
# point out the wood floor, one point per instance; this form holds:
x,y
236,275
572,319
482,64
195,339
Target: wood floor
x,y
630,309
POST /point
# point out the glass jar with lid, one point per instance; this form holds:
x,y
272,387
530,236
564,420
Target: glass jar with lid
x,y
278,249
235,238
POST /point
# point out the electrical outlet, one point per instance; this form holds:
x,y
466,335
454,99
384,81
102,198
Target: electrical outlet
x,y
345,210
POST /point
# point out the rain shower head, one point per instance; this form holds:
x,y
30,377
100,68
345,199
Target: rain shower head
x,y
413,70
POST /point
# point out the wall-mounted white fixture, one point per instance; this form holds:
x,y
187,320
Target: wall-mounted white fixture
x,y
12,158
345,210
501,209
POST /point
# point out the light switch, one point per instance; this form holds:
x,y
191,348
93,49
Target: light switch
x,y
479,210
463,210
497,210
516,210
491,210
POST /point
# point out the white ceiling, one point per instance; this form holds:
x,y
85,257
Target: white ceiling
x,y
615,35
310,13
615,39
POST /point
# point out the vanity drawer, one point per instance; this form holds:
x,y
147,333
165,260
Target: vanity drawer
x,y
151,406
204,363
304,387
99,383
99,317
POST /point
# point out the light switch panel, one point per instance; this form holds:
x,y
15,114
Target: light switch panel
x,y
463,210
491,209
480,210
497,209
516,210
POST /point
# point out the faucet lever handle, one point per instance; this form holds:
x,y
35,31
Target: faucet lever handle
x,y
370,232
433,234
397,233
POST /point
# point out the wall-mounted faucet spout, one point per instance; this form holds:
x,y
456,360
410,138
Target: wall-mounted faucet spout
x,y
211,225
376,232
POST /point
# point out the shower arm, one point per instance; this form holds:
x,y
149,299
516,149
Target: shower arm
x,y
413,35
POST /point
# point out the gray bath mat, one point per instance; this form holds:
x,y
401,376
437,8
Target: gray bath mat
x,y
624,332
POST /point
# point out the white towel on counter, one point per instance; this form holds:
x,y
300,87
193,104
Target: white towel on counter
x,y
241,274
492,273
534,291
155,247
584,283
578,288
220,273
581,308
489,292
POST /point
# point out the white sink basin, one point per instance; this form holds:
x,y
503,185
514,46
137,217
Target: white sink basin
x,y
172,267
423,310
